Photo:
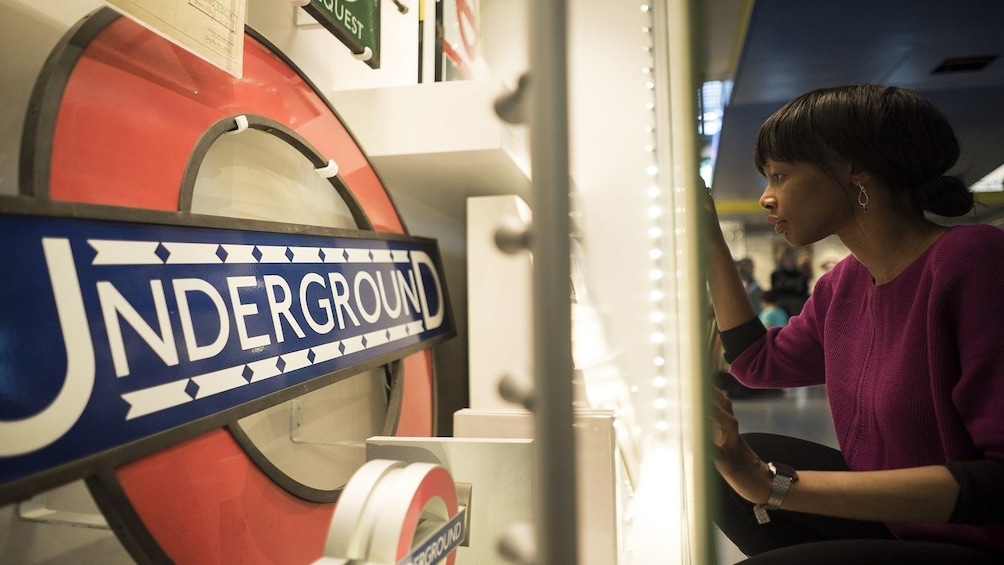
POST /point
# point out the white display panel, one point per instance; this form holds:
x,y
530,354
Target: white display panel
x,y
601,484
498,300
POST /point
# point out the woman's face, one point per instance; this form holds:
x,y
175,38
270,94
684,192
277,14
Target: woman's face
x,y
804,202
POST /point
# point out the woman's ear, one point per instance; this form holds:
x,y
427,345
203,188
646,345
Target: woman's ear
x,y
857,175
847,173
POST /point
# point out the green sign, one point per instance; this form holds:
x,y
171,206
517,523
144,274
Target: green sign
x,y
356,23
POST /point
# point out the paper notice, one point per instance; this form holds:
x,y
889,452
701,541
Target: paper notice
x,y
211,29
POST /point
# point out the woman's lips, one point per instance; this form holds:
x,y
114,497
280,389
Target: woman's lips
x,y
778,223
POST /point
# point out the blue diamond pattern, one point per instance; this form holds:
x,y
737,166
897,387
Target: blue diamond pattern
x,y
289,254
162,252
311,356
280,364
257,254
248,373
341,347
345,254
320,253
192,389
222,253
364,341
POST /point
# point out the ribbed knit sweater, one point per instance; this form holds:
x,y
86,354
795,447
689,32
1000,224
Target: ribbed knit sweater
x,y
914,369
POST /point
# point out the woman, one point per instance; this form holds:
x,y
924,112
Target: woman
x,y
905,333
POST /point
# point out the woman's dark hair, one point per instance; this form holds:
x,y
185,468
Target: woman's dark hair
x,y
889,132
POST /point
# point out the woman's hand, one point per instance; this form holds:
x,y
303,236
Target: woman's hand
x,y
714,226
733,458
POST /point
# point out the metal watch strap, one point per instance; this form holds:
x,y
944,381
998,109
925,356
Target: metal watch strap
x,y
783,476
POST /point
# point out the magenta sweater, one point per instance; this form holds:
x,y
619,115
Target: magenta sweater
x,y
914,369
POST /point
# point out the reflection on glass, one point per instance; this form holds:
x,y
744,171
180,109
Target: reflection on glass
x,y
317,439
255,175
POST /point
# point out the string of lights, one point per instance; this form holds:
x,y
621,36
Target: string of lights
x,y
655,213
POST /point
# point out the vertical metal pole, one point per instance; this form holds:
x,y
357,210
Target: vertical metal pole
x,y
555,514
678,60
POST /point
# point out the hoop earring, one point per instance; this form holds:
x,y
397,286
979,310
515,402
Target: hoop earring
x,y
863,197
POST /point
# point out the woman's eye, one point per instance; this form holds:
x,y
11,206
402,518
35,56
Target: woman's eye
x,y
777,178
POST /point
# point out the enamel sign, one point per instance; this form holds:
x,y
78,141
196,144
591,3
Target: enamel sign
x,y
208,299
133,329
356,23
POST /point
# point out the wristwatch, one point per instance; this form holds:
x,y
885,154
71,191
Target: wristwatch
x,y
783,475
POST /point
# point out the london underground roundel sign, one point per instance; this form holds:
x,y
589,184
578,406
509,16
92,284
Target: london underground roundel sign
x,y
210,300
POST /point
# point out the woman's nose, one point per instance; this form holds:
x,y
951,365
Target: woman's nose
x,y
767,200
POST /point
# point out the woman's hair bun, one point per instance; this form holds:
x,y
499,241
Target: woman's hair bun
x,y
945,196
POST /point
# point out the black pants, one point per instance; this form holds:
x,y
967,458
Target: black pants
x,y
797,538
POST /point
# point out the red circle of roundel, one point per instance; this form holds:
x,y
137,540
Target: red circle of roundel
x,y
133,108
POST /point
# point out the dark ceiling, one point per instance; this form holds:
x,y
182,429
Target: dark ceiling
x,y
792,46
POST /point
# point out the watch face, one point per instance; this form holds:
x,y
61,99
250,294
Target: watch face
x,y
783,470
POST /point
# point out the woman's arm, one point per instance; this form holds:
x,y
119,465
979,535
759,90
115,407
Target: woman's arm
x,y
922,494
728,296
919,494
